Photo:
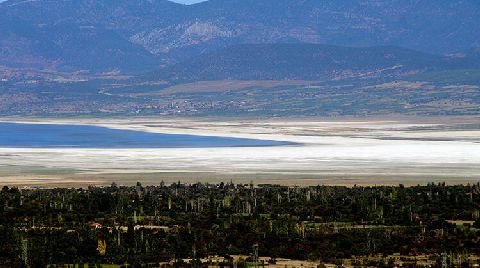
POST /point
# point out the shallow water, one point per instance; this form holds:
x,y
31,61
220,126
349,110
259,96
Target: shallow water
x,y
17,135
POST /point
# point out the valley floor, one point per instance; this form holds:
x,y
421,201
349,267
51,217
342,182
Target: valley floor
x,y
340,152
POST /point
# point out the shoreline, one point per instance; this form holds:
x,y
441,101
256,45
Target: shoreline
x,y
155,179
152,178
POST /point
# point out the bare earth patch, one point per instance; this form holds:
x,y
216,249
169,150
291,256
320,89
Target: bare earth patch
x,y
226,85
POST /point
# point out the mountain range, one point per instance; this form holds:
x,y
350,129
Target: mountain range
x,y
134,36
240,57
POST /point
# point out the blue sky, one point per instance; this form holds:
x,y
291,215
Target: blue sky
x,y
188,2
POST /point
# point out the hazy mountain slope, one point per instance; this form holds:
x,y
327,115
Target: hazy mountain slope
x,y
123,15
141,34
300,62
72,46
84,34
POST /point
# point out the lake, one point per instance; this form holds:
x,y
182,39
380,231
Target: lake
x,y
19,135
340,152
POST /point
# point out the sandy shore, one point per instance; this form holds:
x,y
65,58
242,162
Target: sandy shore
x,y
342,152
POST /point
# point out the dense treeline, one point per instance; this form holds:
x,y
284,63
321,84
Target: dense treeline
x,y
165,223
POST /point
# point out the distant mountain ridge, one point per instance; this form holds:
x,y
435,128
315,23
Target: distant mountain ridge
x,y
140,35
